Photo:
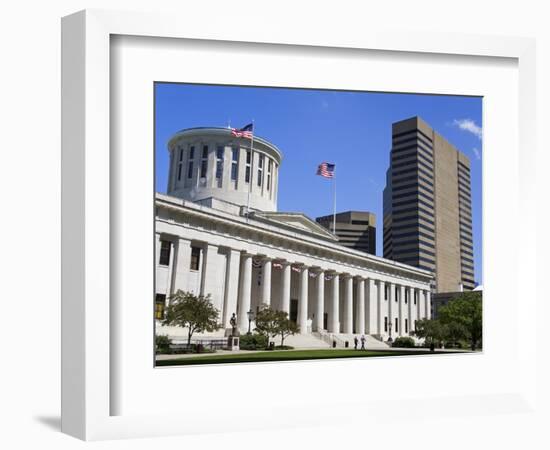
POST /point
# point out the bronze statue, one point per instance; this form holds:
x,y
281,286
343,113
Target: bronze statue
x,y
233,322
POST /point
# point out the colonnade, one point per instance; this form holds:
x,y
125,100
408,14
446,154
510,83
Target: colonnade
x,y
369,305
352,302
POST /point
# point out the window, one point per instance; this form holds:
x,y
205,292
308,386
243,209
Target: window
x,y
406,296
260,170
195,258
160,302
219,162
386,324
386,292
406,325
204,161
396,325
269,164
396,294
190,163
180,163
415,296
247,171
165,247
234,163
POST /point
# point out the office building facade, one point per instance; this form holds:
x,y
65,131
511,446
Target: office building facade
x,y
354,229
427,206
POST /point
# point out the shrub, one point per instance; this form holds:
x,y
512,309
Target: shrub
x,y
183,349
284,347
404,342
162,343
253,342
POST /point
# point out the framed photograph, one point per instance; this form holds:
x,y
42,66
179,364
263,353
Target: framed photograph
x,y
311,218
254,260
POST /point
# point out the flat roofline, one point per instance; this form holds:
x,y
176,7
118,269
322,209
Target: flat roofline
x,y
242,221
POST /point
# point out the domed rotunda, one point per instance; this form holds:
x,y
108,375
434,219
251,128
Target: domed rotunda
x,y
213,167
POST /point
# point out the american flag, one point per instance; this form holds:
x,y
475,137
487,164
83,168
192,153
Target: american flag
x,y
246,131
326,170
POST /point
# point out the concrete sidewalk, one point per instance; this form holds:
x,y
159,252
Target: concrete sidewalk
x,y
249,352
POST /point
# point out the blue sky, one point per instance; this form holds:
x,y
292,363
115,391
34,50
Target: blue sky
x,y
350,129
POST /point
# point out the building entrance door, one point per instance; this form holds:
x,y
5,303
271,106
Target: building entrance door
x,y
293,316
325,321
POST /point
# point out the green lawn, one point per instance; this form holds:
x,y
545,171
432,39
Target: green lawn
x,y
285,355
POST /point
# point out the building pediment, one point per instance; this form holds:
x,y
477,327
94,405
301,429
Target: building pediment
x,y
298,221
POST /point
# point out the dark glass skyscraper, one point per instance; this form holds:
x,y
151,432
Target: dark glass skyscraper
x,y
427,206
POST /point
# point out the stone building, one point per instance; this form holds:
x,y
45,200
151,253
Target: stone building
x,y
218,232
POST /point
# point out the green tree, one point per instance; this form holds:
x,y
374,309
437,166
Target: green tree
x,y
267,322
431,330
196,313
285,326
465,313
454,332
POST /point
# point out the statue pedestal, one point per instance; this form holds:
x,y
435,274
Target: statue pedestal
x,y
233,343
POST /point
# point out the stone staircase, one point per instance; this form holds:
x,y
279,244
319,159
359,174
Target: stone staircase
x,y
303,341
371,343
317,339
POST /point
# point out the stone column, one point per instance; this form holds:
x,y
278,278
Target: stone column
x,y
372,308
360,306
410,314
211,283
302,301
391,309
402,310
211,172
421,305
266,280
227,161
334,319
348,304
231,286
157,249
182,264
246,287
428,305
417,306
380,303
320,304
285,288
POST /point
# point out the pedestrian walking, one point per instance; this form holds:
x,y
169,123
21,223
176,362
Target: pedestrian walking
x,y
355,341
363,342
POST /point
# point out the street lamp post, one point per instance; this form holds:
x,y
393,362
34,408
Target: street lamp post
x,y
250,315
389,329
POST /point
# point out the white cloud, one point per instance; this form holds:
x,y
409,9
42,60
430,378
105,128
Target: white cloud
x,y
468,125
476,152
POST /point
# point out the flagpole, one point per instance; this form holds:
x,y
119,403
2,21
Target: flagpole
x,y
334,201
251,172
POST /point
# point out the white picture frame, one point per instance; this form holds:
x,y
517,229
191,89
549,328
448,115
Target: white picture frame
x,y
89,322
